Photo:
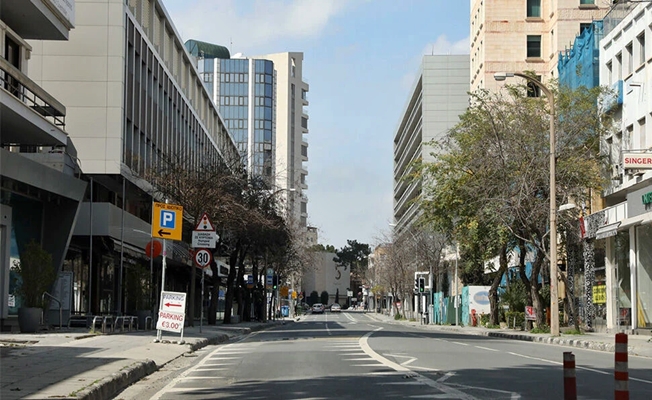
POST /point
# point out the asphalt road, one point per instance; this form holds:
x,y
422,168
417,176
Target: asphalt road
x,y
353,356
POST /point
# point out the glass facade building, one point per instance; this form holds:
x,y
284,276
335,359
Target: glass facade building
x,y
244,91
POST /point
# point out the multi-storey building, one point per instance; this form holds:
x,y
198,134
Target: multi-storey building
x,y
626,223
40,192
291,131
517,35
243,88
135,102
262,100
437,99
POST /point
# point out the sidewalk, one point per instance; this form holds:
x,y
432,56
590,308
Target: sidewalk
x,y
638,345
79,365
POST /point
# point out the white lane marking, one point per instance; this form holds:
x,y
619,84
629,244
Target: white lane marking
x,y
410,361
358,359
597,371
210,369
384,373
357,353
189,378
367,365
460,343
205,361
485,348
349,317
364,344
445,377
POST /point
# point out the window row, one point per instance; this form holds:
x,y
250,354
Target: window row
x,y
234,100
533,7
234,77
625,62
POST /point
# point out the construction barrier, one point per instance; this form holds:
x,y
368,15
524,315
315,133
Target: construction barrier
x,y
570,382
621,374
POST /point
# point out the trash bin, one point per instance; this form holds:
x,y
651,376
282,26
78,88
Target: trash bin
x,y
285,311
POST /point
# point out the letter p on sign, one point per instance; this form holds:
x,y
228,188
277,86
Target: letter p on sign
x,y
167,219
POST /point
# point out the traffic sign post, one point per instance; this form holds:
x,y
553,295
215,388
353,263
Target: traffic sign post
x,y
203,258
167,221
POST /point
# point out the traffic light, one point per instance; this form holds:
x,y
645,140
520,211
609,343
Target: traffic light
x,y
422,284
275,282
416,285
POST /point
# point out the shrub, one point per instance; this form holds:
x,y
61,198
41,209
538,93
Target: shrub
x,y
484,319
37,273
398,316
541,329
324,297
520,319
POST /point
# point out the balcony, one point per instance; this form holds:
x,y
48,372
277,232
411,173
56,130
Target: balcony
x,y
304,124
304,97
39,19
304,151
30,115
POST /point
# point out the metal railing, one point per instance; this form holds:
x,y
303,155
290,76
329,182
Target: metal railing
x,y
28,92
58,302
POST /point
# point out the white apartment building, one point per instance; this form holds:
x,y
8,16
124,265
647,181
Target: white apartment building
x,y
135,101
518,35
291,131
437,99
625,53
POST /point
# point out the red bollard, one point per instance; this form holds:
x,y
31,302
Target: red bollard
x,y
620,371
570,383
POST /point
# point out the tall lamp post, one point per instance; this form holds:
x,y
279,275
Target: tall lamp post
x,y
554,308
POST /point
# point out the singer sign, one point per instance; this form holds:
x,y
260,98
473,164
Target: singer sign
x,y
637,161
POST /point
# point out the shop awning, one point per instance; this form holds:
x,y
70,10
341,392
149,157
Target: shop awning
x,y
630,222
607,230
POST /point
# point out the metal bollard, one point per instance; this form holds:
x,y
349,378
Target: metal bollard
x,y
570,381
621,373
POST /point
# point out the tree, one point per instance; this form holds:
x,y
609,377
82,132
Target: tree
x,y
324,297
329,248
354,257
337,296
491,174
314,298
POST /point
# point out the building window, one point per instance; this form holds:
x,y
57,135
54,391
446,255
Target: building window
x,y
587,1
533,8
534,46
610,73
629,61
641,48
619,66
584,26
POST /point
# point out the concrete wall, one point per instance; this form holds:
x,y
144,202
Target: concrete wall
x,y
327,275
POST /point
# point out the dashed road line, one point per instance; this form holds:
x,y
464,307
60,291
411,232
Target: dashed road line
x,y
485,348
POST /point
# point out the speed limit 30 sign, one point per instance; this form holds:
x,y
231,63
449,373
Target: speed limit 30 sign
x,y
203,258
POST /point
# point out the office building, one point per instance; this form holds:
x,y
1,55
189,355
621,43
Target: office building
x,y
135,102
262,100
437,99
40,191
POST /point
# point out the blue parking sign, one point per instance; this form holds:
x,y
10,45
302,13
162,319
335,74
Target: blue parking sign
x,y
167,219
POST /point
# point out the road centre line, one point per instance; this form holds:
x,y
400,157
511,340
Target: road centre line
x,y
460,343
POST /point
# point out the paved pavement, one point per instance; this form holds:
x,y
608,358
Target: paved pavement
x,y
639,345
79,365
75,364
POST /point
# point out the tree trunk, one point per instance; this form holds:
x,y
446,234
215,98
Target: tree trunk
x,y
524,278
535,290
215,293
493,291
239,290
191,303
230,281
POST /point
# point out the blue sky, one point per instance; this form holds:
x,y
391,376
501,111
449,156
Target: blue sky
x,y
360,59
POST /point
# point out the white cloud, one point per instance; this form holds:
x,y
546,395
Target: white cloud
x,y
252,24
442,46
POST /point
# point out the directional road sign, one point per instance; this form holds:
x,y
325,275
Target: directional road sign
x,y
203,258
173,302
167,221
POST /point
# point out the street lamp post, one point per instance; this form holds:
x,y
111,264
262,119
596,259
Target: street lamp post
x,y
554,308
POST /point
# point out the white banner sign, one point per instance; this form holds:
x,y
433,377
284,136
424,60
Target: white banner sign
x,y
170,321
204,239
637,161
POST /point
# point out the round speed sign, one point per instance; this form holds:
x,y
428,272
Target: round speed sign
x,y
203,258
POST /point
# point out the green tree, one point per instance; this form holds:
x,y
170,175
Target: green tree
x,y
329,248
490,183
313,298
